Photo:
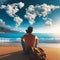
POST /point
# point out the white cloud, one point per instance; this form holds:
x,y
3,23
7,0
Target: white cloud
x,y
30,8
21,4
18,29
54,7
12,9
18,21
30,14
2,23
2,7
30,17
40,11
44,9
31,22
48,23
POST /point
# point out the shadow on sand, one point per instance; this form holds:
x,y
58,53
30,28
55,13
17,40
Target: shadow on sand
x,y
14,56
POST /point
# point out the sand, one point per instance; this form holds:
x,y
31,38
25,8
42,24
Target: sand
x,y
15,53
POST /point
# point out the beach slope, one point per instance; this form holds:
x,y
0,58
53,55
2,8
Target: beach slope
x,y
15,53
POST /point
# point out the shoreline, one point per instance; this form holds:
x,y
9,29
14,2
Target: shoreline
x,y
49,45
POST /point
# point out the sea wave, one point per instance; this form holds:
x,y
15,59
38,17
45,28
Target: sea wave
x,y
42,45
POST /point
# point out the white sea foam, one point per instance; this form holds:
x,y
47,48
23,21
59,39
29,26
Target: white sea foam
x,y
52,45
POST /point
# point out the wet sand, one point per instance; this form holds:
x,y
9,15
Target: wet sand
x,y
15,53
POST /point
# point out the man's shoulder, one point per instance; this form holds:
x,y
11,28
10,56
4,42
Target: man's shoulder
x,y
33,35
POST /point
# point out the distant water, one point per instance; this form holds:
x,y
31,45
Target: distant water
x,y
42,37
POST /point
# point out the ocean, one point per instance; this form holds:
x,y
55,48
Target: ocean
x,y
42,37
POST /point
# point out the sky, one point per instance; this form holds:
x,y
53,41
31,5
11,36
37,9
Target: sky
x,y
42,15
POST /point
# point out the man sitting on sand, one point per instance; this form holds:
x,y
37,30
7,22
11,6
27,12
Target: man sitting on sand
x,y
28,40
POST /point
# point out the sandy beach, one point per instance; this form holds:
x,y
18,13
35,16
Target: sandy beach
x,y
15,53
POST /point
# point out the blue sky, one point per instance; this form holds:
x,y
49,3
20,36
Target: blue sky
x,y
43,15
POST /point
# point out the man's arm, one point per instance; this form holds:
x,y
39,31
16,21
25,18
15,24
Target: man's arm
x,y
23,43
36,38
23,38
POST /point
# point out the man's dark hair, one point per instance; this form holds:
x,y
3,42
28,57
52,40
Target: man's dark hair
x,y
29,30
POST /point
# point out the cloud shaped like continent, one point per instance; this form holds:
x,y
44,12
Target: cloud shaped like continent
x,y
12,9
40,11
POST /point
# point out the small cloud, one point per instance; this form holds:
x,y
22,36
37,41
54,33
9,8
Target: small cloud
x,y
11,10
2,7
18,21
31,22
30,14
30,17
19,29
2,23
48,23
21,5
